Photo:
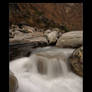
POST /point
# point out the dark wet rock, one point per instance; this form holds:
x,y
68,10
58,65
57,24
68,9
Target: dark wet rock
x,y
41,66
23,48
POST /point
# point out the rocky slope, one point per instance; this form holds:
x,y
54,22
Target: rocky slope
x,y
46,15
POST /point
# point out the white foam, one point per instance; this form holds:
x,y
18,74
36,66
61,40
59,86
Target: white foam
x,y
57,77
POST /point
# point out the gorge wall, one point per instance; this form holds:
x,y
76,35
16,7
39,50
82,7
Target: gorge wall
x,y
45,15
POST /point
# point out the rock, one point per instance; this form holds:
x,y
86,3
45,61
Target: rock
x,y
13,82
72,39
76,61
12,30
60,32
51,36
23,48
28,29
16,31
14,27
47,32
11,33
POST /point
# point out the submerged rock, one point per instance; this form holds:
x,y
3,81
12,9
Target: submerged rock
x,y
41,66
72,39
76,60
13,82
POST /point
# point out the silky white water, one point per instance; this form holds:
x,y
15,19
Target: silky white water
x,y
46,70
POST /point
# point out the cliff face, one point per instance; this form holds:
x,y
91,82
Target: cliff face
x,y
47,14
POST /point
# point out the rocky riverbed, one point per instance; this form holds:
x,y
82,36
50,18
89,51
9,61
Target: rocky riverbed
x,y
23,40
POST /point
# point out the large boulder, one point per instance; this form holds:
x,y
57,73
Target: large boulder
x,y
71,39
76,61
13,82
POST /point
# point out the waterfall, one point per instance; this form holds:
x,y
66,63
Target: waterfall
x,y
46,70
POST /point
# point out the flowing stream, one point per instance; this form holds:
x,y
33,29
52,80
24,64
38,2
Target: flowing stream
x,y
46,70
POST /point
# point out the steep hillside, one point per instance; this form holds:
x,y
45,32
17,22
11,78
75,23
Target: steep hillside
x,y
47,14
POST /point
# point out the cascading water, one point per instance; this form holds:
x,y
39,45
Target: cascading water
x,y
46,70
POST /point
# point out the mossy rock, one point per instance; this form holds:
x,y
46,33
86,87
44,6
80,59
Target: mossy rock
x,y
76,60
